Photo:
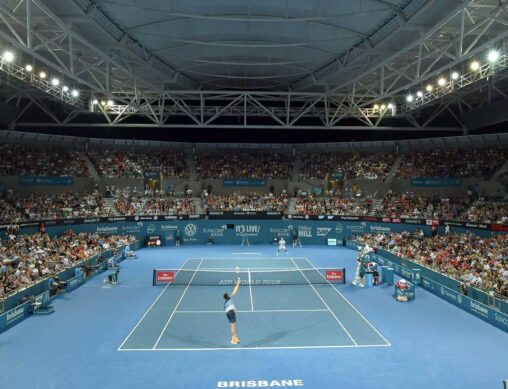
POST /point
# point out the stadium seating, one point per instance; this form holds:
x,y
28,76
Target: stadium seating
x,y
242,165
135,164
477,261
24,259
357,165
481,163
24,160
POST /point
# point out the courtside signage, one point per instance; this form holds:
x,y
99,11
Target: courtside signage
x,y
261,384
335,276
162,276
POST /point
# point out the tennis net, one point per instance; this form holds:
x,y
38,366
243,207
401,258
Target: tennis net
x,y
251,277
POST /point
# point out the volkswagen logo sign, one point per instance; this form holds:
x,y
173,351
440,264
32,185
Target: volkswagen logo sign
x,y
190,230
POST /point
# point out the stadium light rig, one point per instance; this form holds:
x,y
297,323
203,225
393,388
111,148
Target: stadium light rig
x,y
477,72
39,79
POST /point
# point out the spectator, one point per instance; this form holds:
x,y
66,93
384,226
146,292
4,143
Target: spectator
x,y
24,160
476,261
481,163
239,165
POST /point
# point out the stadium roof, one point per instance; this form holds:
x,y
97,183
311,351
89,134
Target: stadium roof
x,y
292,64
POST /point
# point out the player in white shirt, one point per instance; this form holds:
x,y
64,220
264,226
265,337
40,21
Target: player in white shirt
x,y
282,246
229,307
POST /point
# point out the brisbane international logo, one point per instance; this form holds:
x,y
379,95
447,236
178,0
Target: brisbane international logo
x,y
190,229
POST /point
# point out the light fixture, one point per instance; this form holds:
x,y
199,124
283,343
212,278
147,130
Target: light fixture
x,y
493,56
110,103
8,56
376,106
383,107
42,75
75,93
455,75
29,68
65,88
475,65
441,82
55,82
390,106
419,93
429,88
103,103
95,102
409,98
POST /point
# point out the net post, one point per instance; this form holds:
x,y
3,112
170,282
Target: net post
x,y
153,277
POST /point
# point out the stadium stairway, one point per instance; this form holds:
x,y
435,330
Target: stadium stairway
x,y
500,171
291,206
199,205
296,168
91,168
391,173
375,206
110,205
191,165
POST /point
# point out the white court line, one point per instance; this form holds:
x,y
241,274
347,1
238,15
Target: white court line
x,y
177,304
262,311
250,291
252,269
150,307
352,306
260,348
324,302
236,259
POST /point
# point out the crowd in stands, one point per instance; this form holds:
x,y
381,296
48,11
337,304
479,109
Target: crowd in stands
x,y
25,259
20,159
476,261
356,165
126,164
480,163
236,165
487,212
155,205
333,205
412,205
24,160
40,206
127,202
245,202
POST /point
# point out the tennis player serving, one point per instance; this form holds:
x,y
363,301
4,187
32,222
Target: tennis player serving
x,y
229,307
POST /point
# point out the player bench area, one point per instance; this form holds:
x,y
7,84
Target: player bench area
x,y
283,303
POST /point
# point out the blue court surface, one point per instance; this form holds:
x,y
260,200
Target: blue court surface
x,y
307,332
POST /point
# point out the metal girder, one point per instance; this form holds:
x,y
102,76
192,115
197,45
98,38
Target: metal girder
x,y
233,127
204,108
375,75
46,38
464,33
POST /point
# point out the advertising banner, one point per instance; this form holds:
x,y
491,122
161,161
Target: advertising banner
x,y
45,180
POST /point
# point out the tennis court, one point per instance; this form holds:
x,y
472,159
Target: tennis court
x,y
103,336
286,303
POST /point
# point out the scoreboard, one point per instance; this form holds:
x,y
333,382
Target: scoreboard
x,y
153,241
